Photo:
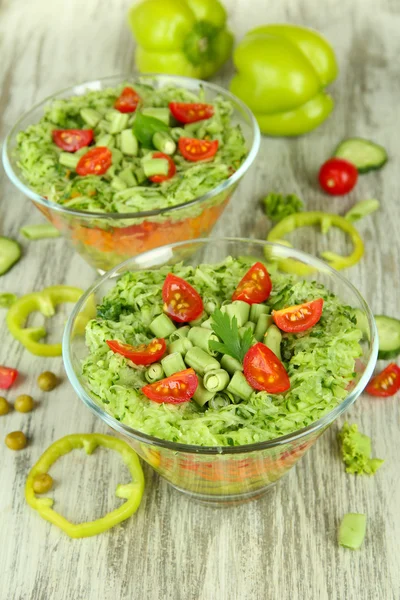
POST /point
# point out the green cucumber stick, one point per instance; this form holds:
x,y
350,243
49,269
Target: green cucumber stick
x,y
200,361
207,324
230,364
219,401
162,326
160,113
352,530
40,231
249,325
201,395
154,373
199,319
163,142
238,385
66,159
263,323
216,381
238,309
90,116
272,339
118,122
201,337
173,363
155,166
181,345
179,333
128,143
177,132
256,310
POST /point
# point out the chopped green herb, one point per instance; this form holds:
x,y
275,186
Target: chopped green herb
x,y
356,451
352,530
227,330
278,206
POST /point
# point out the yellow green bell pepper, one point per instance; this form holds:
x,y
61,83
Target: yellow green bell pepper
x,y
181,37
282,72
132,491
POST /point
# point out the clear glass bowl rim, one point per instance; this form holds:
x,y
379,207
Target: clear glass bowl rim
x,y
219,450
175,79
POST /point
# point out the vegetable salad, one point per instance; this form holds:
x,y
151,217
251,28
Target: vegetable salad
x,y
230,404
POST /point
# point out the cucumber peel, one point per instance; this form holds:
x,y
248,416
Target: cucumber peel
x,y
363,154
389,336
10,253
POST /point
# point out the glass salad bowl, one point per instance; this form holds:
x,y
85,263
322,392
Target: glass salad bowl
x,y
106,239
227,474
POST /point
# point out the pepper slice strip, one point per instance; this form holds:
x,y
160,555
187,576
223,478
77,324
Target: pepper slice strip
x,y
326,220
132,491
44,302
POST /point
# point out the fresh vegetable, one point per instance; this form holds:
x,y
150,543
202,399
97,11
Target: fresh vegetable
x,y
132,491
191,112
180,37
7,377
181,301
95,162
40,231
173,390
16,440
363,154
337,176
44,302
232,343
386,383
355,449
145,354
146,126
6,300
278,206
298,318
194,150
388,335
70,140
352,530
171,168
5,406
255,287
362,209
264,371
24,403
10,253
320,362
306,219
282,72
127,101
42,483
47,381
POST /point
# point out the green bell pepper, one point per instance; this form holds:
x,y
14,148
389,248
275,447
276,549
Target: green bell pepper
x,y
282,71
182,37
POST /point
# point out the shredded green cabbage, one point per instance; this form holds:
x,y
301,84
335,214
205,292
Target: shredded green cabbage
x,y
320,362
356,451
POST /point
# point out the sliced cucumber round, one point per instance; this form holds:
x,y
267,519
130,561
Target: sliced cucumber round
x,y
363,154
10,253
389,336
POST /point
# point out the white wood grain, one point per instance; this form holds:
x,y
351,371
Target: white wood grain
x,y
283,546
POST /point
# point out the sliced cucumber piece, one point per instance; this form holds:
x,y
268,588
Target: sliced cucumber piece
x,y
362,323
362,153
10,253
389,336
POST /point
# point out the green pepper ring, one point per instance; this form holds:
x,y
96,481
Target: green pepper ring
x,y
44,302
132,491
326,220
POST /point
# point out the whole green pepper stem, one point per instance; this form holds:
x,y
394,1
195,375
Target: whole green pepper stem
x,y
173,363
264,321
200,361
154,373
162,326
216,381
238,385
201,337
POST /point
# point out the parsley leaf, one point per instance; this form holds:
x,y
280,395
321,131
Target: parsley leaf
x,y
227,330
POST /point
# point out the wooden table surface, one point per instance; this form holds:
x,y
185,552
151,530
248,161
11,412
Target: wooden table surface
x,y
284,545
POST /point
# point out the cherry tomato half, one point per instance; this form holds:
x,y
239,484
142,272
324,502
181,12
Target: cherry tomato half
x,y
178,388
187,112
145,354
181,301
337,176
193,149
95,162
128,101
7,377
299,317
70,140
255,286
171,170
386,383
264,371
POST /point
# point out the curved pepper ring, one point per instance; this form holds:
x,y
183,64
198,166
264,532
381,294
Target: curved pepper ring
x,y
325,220
132,491
44,302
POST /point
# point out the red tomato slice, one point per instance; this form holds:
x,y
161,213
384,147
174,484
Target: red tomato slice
x,y
171,170
337,176
299,317
187,112
95,162
128,101
386,383
7,377
255,286
176,389
264,371
70,140
194,150
145,354
181,301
